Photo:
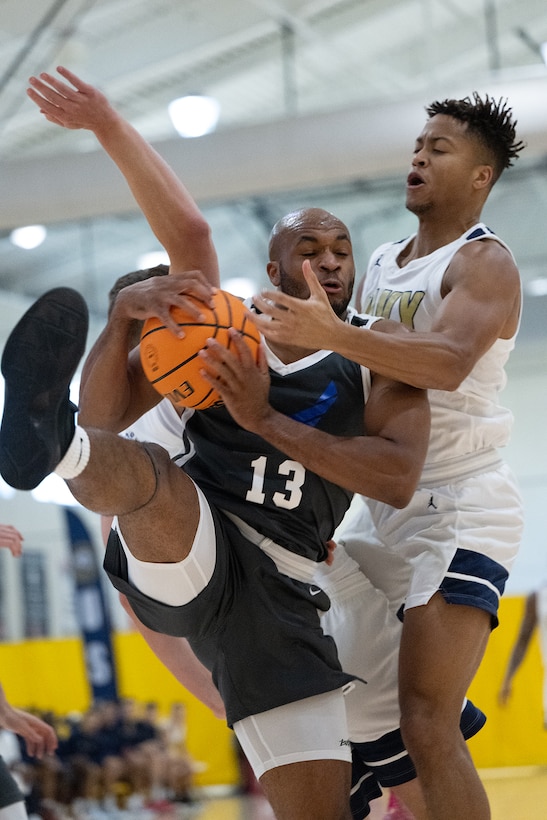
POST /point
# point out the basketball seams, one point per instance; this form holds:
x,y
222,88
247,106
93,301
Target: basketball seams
x,y
213,325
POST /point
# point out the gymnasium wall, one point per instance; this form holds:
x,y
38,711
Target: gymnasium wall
x,y
513,735
49,674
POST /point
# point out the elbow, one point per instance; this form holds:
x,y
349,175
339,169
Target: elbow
x,y
401,486
401,499
448,381
198,229
449,375
395,493
399,495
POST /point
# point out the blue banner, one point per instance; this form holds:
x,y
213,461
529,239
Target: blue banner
x,y
92,612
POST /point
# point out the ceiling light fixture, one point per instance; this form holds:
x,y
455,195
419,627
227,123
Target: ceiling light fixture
x,y
543,51
194,115
28,237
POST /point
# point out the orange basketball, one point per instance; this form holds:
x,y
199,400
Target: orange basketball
x,y
173,365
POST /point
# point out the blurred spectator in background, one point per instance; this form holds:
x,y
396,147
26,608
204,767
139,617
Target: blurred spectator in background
x,y
535,615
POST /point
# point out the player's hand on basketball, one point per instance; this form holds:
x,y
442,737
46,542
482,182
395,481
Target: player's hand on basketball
x,y
307,323
158,294
72,104
242,383
11,538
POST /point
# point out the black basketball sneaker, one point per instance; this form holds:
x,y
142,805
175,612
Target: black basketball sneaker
x,y
39,360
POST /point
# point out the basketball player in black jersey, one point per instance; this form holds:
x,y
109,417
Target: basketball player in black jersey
x,y
188,565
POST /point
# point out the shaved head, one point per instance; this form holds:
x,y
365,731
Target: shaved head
x,y
298,222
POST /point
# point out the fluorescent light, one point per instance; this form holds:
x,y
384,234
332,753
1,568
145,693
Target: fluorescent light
x,y
536,287
543,50
194,115
28,237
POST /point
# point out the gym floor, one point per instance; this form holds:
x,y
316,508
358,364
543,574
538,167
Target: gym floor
x,y
515,794
519,794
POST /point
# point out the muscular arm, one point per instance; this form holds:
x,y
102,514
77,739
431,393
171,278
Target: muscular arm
x,y
114,391
481,304
520,647
384,464
170,210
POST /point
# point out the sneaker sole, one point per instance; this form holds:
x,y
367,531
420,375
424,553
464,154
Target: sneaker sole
x,y
39,360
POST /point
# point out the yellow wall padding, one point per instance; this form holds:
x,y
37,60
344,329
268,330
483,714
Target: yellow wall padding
x,y
50,674
513,734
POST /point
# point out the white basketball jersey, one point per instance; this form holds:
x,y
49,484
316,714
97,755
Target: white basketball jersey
x,y
468,422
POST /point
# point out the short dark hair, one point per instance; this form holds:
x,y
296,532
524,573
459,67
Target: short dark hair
x,y
490,121
130,279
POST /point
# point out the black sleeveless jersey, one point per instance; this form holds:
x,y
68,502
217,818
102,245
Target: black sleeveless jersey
x,y
241,473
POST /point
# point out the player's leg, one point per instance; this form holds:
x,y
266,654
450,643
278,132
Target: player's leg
x,y
441,648
153,498
308,790
411,797
300,754
106,473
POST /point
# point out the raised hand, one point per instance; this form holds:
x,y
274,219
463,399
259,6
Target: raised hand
x,y
306,323
78,105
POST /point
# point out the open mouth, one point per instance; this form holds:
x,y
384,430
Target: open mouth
x,y
331,286
414,180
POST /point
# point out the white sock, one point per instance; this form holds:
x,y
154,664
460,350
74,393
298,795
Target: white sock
x,y
76,457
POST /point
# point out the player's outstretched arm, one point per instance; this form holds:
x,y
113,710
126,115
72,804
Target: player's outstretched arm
x,y
170,210
481,304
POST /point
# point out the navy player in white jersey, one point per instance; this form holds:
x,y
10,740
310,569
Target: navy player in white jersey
x,y
187,566
456,287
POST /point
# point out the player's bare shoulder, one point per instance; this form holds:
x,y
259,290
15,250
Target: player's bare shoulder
x,y
486,262
486,273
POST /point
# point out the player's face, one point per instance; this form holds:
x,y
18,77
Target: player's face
x,y
447,161
329,251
